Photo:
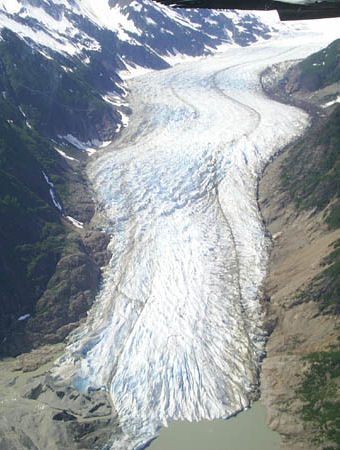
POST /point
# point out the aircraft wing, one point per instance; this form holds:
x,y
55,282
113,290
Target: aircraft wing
x,y
288,10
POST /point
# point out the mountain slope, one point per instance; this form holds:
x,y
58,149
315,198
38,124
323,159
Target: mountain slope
x,y
61,94
88,46
36,184
299,197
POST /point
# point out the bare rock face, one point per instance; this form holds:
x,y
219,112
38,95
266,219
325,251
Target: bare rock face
x,y
39,413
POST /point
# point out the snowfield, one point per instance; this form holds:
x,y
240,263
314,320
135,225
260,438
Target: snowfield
x,y
176,331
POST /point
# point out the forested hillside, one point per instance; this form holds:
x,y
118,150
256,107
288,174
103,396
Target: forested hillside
x,y
40,101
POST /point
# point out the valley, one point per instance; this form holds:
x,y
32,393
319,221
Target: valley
x,y
175,332
133,138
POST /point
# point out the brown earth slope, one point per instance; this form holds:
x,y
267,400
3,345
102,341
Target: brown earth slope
x,y
299,198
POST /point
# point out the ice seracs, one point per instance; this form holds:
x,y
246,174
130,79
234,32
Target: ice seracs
x,y
175,332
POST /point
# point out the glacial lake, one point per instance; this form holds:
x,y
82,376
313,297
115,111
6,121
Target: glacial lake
x,y
246,431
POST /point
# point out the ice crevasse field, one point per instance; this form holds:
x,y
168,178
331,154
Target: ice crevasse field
x,y
176,330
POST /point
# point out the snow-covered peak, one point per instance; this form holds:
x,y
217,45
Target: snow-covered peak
x,y
46,24
10,6
93,46
76,28
106,16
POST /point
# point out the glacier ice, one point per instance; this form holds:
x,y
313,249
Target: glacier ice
x,y
175,332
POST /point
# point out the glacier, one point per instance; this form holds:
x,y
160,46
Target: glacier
x,y
176,330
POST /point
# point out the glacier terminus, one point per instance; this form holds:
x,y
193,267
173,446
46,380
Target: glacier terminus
x,y
176,330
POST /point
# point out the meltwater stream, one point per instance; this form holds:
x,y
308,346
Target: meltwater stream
x,y
175,332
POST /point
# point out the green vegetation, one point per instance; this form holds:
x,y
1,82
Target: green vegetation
x,y
310,176
55,97
318,390
333,218
325,288
331,275
321,68
31,234
40,98
311,173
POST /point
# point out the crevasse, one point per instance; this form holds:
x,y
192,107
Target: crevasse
x,y
175,332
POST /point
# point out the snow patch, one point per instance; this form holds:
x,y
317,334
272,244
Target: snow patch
x,y
10,6
24,317
45,54
47,180
52,194
85,146
136,6
210,21
124,119
55,201
113,99
75,222
22,112
332,102
105,144
59,35
150,21
59,45
91,151
110,18
63,154
133,71
67,69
